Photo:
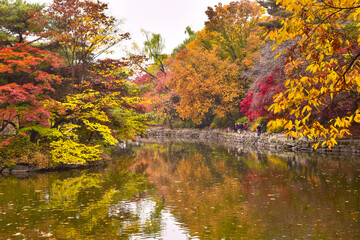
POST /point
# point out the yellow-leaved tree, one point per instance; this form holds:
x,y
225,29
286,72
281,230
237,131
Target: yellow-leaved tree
x,y
321,100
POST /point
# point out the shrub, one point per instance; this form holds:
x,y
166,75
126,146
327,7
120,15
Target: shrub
x,y
226,121
243,120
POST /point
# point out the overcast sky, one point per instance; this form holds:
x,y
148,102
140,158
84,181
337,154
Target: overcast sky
x,y
167,17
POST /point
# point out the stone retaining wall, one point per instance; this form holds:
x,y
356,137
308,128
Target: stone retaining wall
x,y
274,142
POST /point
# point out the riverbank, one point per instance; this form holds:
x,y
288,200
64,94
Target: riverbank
x,y
274,142
24,170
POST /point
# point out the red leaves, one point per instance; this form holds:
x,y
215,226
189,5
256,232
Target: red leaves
x,y
24,58
143,79
13,93
6,141
28,73
257,101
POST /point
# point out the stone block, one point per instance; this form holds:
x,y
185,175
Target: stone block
x,y
19,169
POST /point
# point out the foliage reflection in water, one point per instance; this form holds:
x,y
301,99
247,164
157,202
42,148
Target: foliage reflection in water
x,y
188,191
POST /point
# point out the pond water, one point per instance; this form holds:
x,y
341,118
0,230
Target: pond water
x,y
188,191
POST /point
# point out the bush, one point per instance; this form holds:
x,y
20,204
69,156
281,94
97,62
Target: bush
x,y
243,120
278,129
184,124
262,121
20,150
226,121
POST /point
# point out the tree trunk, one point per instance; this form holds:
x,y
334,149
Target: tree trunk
x,y
171,127
34,136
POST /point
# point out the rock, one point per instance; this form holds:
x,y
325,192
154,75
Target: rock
x,y
20,169
5,171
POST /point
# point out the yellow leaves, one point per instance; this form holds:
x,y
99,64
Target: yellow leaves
x,y
315,146
306,108
357,116
344,122
330,73
277,55
355,15
289,125
103,130
72,152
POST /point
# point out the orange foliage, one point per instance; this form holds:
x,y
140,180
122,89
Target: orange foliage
x,y
205,83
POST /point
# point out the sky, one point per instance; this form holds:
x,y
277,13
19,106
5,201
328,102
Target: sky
x,y
167,17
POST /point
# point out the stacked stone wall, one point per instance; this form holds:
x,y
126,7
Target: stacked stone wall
x,y
273,142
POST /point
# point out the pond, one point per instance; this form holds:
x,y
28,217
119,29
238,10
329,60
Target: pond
x,y
188,191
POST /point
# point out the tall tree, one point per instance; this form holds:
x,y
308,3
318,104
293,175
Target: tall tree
x,y
205,83
234,30
83,30
274,9
17,20
150,59
323,68
191,37
155,79
154,47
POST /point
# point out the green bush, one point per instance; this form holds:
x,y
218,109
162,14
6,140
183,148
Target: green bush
x,y
243,120
19,149
183,124
226,121
221,122
262,121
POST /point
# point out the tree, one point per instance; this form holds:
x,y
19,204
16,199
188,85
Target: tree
x,y
261,94
83,30
322,67
150,59
153,47
234,30
106,112
154,80
274,9
162,97
192,37
205,83
27,74
17,20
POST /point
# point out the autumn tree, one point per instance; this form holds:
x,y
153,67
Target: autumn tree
x,y
110,78
154,79
27,76
322,67
207,74
205,83
69,128
260,96
107,112
83,31
268,79
234,30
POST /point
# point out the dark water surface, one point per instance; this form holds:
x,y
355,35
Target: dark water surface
x,y
188,191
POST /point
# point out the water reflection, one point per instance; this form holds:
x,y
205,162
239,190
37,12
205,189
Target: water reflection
x,y
188,191
106,204
222,193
